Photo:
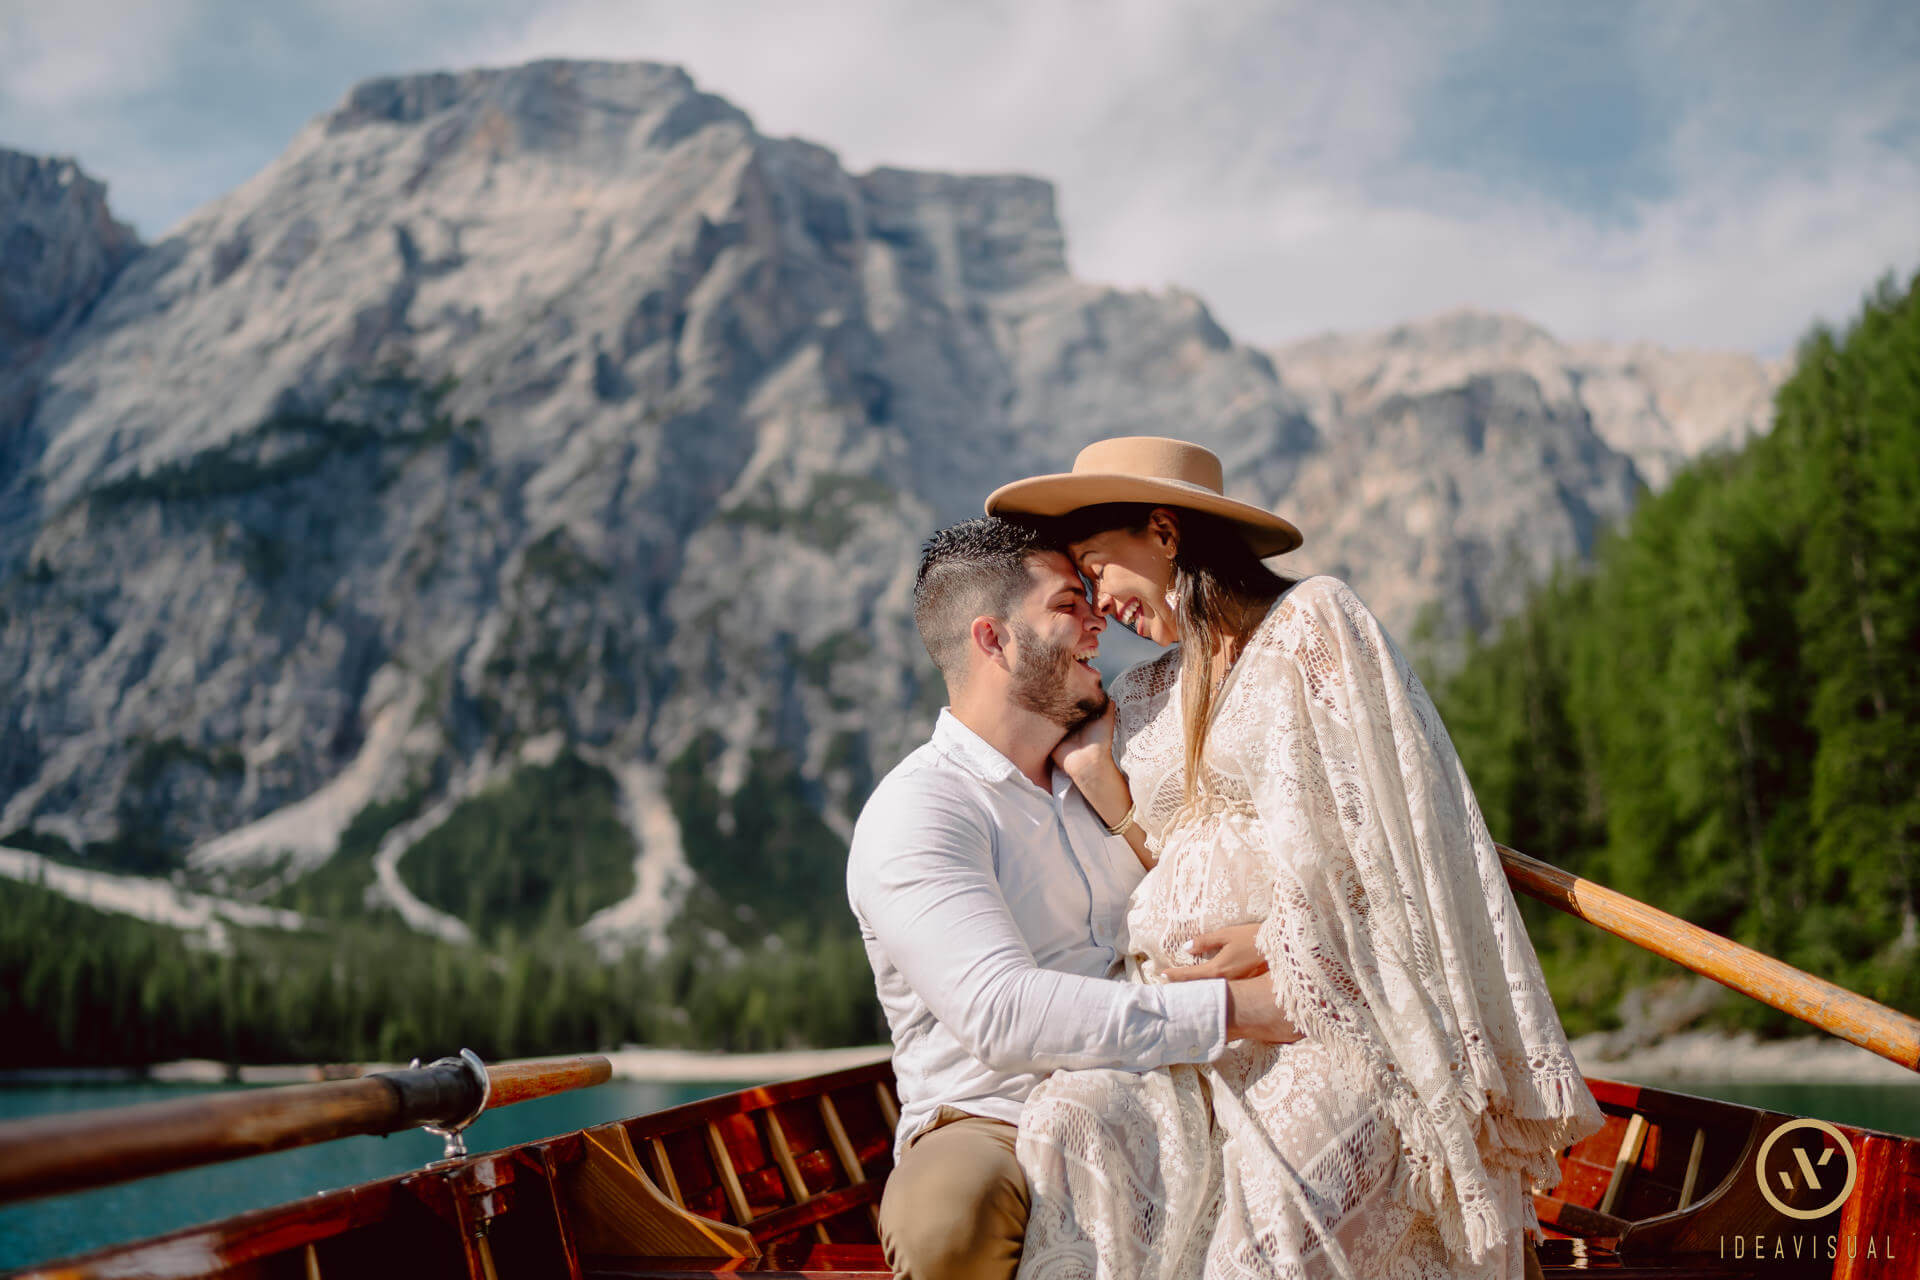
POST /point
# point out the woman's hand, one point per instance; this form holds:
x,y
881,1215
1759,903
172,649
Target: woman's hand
x,y
1086,754
1228,953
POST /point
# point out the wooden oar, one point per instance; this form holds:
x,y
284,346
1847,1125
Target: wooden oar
x,y
51,1154
1834,1009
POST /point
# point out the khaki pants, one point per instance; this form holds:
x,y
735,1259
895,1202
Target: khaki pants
x,y
955,1207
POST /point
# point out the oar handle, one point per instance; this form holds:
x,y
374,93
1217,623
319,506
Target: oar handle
x,y
1833,1009
521,1081
48,1155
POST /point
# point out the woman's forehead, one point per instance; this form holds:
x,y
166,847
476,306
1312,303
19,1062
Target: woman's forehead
x,y
1101,541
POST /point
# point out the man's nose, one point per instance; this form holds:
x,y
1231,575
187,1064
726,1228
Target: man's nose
x,y
1096,621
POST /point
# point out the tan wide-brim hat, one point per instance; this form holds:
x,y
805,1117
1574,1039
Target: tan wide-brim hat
x,y
1166,473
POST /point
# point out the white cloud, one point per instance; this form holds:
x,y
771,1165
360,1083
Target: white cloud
x,y
1718,265
1258,154
1265,155
84,52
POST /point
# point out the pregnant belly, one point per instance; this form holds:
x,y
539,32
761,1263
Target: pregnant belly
x,y
1213,872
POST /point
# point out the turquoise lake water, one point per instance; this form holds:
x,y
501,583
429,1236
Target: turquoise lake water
x,y
37,1230
42,1229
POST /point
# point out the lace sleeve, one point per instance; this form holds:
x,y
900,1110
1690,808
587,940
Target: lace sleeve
x,y
1393,939
1138,693
1146,742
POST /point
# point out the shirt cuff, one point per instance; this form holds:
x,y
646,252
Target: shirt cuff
x,y
1196,1020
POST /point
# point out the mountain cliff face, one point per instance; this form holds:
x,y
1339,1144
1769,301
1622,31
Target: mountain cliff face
x,y
1469,453
59,248
553,423
1659,408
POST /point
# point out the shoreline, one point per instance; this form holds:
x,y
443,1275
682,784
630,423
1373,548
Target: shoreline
x,y
1718,1057
1696,1057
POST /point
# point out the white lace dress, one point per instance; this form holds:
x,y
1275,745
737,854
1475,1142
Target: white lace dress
x,y
1406,1126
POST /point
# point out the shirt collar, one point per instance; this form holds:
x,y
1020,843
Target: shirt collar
x,y
981,758
971,751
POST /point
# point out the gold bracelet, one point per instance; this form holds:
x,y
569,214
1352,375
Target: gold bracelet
x,y
1120,828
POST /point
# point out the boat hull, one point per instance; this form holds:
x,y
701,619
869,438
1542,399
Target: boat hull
x,y
785,1180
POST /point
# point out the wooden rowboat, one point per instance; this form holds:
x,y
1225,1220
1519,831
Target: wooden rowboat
x,y
784,1180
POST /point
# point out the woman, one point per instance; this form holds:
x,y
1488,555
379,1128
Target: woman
x,y
1296,799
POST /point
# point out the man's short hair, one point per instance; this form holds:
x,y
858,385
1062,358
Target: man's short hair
x,y
977,568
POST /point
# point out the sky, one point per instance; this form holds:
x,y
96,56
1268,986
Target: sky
x,y
1710,174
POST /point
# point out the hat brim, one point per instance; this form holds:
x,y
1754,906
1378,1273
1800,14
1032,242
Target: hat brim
x,y
1056,495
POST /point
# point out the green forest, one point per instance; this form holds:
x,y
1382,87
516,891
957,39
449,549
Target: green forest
x,y
84,988
1719,715
763,954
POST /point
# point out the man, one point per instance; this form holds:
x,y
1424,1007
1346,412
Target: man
x,y
991,898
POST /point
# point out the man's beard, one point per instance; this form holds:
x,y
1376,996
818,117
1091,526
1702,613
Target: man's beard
x,y
1040,682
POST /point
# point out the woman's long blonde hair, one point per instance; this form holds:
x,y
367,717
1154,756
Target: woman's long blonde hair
x,y
1221,591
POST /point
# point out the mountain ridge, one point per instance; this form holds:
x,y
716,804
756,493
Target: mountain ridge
x,y
1659,406
555,404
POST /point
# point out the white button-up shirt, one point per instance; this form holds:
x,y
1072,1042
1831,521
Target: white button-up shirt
x,y
994,916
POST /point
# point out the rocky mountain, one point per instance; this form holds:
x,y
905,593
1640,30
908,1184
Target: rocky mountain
x,y
551,431
1467,454
59,249
1658,407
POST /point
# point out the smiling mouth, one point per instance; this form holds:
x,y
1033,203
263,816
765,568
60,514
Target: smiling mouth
x,y
1131,615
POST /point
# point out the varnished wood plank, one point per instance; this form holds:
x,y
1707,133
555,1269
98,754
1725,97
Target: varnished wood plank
x,y
843,1148
234,1242
866,1127
1624,1163
663,1170
1884,1208
1576,1220
482,1251
753,1164
837,1135
691,1115
687,1154
783,1156
563,1228
815,1210
790,1261
615,1209
667,1269
888,1107
1693,1167
729,1180
1581,1184
809,1257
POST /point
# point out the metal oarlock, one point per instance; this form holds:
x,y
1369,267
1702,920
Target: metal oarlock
x,y
452,1131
